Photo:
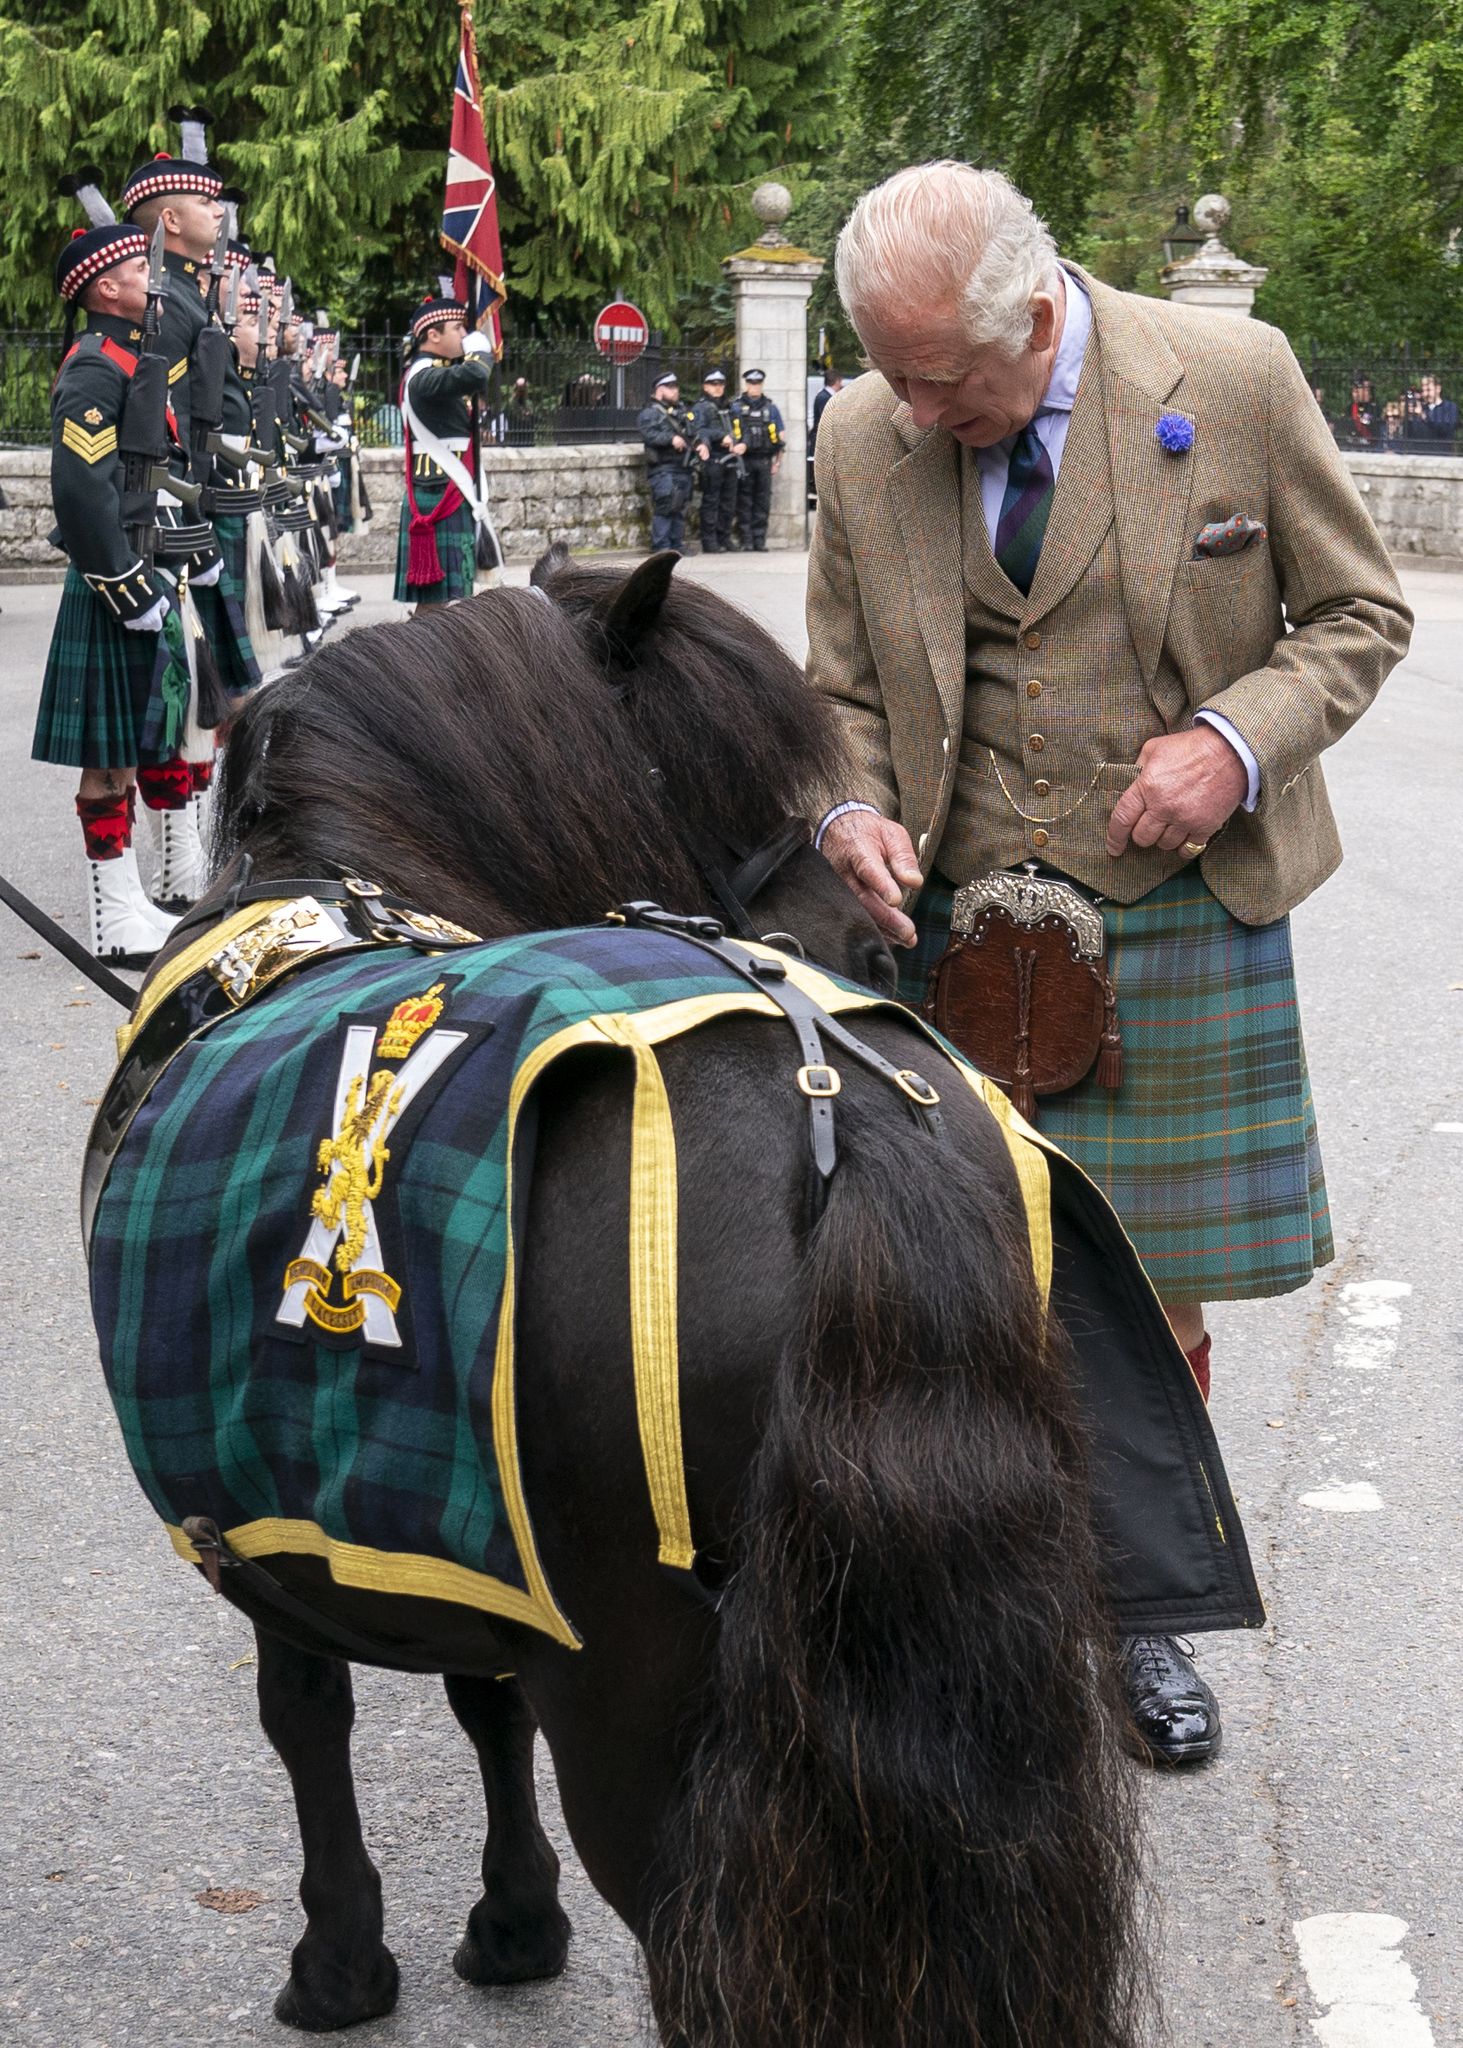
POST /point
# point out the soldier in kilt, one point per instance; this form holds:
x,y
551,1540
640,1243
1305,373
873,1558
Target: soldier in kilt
x,y
1090,591
114,700
436,549
185,194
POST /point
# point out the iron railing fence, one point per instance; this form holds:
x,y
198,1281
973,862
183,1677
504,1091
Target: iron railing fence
x,y
1405,401
569,393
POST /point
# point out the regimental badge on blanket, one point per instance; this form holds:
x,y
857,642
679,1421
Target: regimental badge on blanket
x,y
382,1071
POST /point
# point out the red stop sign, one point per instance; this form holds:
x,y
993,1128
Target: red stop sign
x,y
621,332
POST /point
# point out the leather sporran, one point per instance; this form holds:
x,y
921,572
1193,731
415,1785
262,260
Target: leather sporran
x,y
1021,988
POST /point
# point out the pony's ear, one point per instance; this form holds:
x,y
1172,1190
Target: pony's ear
x,y
548,565
635,606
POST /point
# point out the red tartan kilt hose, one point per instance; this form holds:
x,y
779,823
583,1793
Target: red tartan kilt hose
x,y
1208,1151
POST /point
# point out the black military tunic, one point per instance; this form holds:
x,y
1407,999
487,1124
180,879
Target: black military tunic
x,y
441,392
111,698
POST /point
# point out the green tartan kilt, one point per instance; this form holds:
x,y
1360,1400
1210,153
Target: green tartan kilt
x,y
1208,1151
221,612
456,548
109,698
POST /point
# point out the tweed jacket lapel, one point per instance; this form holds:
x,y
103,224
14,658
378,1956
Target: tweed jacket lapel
x,y
1082,505
1150,489
924,494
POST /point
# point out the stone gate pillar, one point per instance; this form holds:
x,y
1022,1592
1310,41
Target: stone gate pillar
x,y
771,283
1215,277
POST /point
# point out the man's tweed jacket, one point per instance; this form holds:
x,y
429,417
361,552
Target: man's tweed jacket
x,y
890,589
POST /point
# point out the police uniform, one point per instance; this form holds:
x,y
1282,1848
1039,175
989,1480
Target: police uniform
x,y
720,474
116,688
762,433
436,552
667,468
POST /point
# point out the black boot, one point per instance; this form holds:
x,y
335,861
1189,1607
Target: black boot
x,y
1175,1717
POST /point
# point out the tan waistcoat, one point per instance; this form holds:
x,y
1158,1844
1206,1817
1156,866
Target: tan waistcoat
x,y
1054,717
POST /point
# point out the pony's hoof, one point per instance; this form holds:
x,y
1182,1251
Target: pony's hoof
x,y
500,1952
315,2010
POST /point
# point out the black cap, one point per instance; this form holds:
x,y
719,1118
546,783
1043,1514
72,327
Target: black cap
x,y
166,175
93,250
667,377
715,375
754,376
437,312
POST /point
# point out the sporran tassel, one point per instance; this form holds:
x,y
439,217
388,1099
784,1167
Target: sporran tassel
x,y
1109,1070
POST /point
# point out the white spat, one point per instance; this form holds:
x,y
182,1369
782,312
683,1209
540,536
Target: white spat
x,y
1370,1311
1366,1986
1345,1497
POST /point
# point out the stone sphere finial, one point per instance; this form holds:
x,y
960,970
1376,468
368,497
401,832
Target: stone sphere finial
x,y
1211,213
772,203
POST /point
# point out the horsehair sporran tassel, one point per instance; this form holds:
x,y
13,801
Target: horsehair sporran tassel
x,y
1109,1072
1023,1096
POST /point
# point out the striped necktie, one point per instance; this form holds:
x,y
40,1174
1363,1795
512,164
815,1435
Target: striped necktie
x,y
1030,482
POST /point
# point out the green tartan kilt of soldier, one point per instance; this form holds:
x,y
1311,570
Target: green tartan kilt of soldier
x,y
109,698
456,547
221,611
1208,1151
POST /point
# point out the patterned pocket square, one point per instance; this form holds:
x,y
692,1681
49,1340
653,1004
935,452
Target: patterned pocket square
x,y
1228,536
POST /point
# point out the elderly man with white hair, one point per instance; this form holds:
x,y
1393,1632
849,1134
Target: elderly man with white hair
x,y
1091,590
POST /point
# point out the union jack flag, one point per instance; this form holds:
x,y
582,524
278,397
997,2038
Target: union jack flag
x,y
470,207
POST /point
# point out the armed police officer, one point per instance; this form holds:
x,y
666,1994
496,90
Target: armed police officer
x,y
758,425
718,434
669,433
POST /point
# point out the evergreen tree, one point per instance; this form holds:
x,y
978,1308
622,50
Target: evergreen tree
x,y
627,134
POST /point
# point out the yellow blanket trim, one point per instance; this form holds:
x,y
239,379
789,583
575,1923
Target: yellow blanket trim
x,y
654,1326
90,447
375,1571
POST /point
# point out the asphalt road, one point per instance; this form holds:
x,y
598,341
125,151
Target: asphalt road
x,y
1306,1881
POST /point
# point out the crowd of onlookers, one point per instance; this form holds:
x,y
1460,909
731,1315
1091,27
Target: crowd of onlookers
x,y
1419,421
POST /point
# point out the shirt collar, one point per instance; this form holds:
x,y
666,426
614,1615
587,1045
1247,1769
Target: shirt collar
x,y
1061,390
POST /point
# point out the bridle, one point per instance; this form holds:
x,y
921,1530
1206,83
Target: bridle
x,y
736,879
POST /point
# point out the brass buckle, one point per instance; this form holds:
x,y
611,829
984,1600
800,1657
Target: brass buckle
x,y
820,1083
360,888
917,1088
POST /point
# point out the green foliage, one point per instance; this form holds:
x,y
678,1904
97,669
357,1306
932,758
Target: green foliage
x,y
627,137
1335,127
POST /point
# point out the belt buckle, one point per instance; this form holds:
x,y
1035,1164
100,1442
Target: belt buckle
x,y
820,1083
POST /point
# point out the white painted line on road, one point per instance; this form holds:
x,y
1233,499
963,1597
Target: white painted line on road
x,y
1448,1127
1345,1497
1352,1965
1369,1310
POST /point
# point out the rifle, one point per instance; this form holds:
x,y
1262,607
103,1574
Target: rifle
x,y
142,435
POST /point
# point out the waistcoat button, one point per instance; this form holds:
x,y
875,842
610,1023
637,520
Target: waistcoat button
x,y
1032,639
1040,838
1042,787
1033,689
1036,743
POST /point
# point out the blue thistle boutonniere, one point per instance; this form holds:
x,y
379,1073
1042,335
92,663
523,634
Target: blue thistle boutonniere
x,y
1175,433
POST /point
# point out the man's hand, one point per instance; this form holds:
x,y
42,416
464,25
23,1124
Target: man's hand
x,y
703,451
677,442
1188,783
876,859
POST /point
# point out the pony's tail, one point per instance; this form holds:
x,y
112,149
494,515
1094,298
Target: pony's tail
x,y
909,1824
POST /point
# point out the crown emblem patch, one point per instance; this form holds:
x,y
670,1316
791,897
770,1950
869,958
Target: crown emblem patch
x,y
410,1022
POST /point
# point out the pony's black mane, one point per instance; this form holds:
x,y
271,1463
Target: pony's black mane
x,y
492,760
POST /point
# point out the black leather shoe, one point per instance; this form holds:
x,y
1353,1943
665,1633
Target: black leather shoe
x,y
1174,1715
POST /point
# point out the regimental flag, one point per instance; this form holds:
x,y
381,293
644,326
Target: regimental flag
x,y
470,208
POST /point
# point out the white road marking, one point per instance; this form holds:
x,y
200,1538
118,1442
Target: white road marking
x,y
1345,1497
1448,1127
1353,1967
1369,1310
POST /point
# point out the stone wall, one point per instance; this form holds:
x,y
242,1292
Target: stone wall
x,y
595,497
591,498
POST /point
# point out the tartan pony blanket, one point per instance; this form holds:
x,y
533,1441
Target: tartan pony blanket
x,y
302,1266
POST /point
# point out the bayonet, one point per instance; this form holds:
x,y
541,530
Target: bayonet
x,y
231,299
286,305
218,262
157,285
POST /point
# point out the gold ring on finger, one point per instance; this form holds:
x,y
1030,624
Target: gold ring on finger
x,y
1194,847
